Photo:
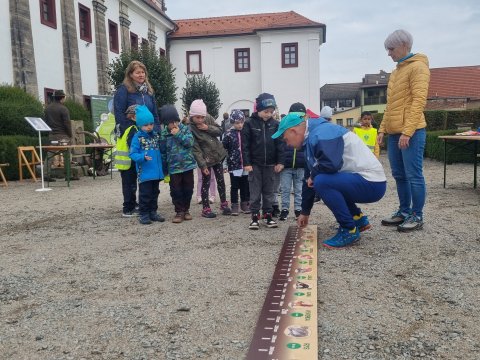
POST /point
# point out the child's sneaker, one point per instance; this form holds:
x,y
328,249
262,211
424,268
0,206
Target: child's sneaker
x,y
208,213
283,215
235,210
344,237
297,214
187,216
276,211
254,225
225,209
178,218
145,219
132,213
154,216
245,207
361,222
211,199
268,221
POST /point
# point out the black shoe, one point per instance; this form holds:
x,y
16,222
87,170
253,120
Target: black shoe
x,y
297,214
276,211
269,222
254,225
156,217
144,219
283,215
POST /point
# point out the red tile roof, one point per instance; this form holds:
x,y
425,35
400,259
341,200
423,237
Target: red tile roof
x,y
241,24
461,81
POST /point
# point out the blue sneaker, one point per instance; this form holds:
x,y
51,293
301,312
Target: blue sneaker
x,y
344,237
144,219
361,222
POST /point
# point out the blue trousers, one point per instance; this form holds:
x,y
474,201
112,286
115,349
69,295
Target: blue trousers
x,y
148,192
288,177
407,170
341,191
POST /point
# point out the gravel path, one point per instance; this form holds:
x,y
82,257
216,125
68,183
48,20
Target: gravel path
x,y
78,281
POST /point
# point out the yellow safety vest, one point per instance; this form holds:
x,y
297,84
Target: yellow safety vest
x,y
122,158
368,136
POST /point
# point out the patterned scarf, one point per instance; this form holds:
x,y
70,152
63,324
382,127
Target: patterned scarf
x,y
142,89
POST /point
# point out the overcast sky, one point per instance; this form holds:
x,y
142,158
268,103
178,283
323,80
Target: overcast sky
x,y
447,31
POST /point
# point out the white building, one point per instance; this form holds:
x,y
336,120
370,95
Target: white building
x,y
246,55
68,44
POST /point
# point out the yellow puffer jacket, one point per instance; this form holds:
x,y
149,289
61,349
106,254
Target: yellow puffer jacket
x,y
406,97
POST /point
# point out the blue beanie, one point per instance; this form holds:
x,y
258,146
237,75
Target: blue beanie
x,y
236,115
143,116
265,101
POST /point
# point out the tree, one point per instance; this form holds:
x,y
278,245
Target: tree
x,y
160,72
199,86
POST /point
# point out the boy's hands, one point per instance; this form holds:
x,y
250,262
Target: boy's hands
x,y
147,158
278,168
248,168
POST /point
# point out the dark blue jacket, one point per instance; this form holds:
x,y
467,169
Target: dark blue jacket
x,y
234,152
123,99
294,158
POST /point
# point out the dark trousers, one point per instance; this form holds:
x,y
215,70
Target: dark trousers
x,y
181,190
218,171
261,181
239,183
148,192
129,188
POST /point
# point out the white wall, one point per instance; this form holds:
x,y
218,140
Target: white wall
x,y
48,49
6,64
239,89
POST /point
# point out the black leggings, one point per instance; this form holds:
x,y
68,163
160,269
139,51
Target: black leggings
x,y
218,171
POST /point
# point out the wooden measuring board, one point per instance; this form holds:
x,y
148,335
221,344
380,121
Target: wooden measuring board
x,y
287,325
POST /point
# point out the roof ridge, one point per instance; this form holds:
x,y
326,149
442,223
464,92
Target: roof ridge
x,y
237,16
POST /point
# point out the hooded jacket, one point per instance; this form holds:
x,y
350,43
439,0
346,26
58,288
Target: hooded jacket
x,y
144,143
258,146
207,149
177,150
406,97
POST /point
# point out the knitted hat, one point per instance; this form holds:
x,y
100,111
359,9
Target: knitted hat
x,y
298,107
198,107
265,101
236,116
143,116
326,112
168,114
131,109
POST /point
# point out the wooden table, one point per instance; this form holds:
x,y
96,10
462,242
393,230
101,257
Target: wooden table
x,y
461,141
65,149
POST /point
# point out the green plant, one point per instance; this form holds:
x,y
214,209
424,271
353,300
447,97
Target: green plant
x,y
79,112
8,152
200,87
15,104
160,72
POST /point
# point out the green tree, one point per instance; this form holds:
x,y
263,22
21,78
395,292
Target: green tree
x,y
199,86
79,112
160,72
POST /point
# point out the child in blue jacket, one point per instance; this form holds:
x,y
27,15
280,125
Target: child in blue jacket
x,y
145,151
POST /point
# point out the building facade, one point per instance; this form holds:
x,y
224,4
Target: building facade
x,y
68,44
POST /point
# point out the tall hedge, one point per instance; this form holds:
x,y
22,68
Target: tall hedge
x,y
460,151
15,105
80,112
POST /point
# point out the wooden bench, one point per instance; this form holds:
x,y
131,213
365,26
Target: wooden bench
x,y
2,175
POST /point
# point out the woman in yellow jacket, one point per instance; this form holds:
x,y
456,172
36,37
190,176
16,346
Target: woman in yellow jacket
x,y
404,122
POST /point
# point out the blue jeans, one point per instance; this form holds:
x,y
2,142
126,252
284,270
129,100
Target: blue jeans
x,y
342,190
407,170
287,177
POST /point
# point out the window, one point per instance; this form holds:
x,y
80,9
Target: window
x,y
47,95
162,52
290,55
85,23
349,121
242,60
246,112
340,122
331,103
133,41
113,36
345,103
194,62
144,42
48,15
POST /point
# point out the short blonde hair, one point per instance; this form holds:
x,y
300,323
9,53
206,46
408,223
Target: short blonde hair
x,y
399,38
127,80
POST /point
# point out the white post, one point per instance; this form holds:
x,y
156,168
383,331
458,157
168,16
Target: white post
x,y
41,163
